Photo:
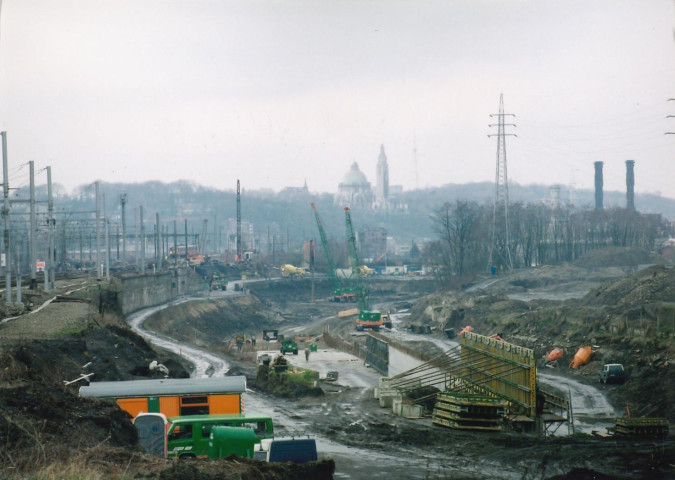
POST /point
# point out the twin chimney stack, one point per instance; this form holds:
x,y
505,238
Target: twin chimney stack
x,y
598,186
630,185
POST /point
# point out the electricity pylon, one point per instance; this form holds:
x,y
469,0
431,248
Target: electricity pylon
x,y
500,253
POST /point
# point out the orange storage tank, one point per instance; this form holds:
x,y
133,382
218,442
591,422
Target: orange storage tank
x,y
554,354
582,357
468,328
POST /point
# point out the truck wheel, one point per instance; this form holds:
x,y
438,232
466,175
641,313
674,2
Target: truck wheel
x,y
295,352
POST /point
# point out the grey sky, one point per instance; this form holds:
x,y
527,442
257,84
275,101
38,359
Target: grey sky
x,y
276,92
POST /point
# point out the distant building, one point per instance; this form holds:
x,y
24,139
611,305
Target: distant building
x,y
382,182
295,193
354,190
373,243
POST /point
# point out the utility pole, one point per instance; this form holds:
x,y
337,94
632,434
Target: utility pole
x,y
107,239
186,244
311,265
238,257
142,242
51,233
136,249
81,242
5,216
17,245
216,246
98,238
32,238
158,242
175,245
123,201
499,246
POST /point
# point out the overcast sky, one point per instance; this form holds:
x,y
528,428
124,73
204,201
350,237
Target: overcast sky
x,y
278,92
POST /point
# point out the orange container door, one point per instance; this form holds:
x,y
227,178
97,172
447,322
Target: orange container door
x,y
133,406
224,404
169,406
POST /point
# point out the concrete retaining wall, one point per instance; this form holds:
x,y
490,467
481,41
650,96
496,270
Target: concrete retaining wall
x,y
141,291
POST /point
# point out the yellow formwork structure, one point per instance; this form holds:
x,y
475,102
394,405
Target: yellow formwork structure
x,y
500,368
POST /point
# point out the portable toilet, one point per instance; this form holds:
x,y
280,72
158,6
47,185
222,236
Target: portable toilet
x,y
151,428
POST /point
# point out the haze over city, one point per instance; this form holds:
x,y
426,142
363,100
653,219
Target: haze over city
x,y
279,93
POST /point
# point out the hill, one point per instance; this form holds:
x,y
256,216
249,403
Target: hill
x,y
49,432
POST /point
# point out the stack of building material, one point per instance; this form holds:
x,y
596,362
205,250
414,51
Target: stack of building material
x,y
641,427
468,411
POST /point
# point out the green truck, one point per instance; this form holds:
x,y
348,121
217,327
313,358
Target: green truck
x,y
219,436
289,345
188,436
218,282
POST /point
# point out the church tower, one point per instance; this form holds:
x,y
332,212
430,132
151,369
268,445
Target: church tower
x,y
382,182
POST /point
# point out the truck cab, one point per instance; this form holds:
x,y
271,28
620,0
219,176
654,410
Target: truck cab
x,y
612,373
289,345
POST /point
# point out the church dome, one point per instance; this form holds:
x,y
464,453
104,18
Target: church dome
x,y
354,177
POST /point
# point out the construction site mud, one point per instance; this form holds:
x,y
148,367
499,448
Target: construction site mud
x,y
56,429
394,447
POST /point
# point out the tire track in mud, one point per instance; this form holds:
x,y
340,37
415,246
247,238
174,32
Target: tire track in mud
x,y
205,364
351,462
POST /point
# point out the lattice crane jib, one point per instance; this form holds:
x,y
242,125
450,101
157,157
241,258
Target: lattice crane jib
x,y
367,319
330,262
239,246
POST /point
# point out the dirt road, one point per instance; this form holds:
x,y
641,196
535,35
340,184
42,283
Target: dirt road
x,y
367,441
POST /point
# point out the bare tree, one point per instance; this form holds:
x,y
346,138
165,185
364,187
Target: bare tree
x,y
458,226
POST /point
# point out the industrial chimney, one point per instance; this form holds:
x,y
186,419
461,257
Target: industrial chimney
x,y
598,186
630,185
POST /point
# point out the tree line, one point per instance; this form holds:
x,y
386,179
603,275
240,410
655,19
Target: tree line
x,y
473,238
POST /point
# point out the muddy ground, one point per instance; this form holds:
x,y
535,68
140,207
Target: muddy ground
x,y
352,418
48,429
49,432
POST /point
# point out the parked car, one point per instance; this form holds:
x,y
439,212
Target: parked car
x,y
612,373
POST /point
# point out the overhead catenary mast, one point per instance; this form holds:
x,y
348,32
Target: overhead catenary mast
x,y
239,257
500,253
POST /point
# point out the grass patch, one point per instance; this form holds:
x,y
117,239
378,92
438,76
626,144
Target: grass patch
x,y
301,376
69,330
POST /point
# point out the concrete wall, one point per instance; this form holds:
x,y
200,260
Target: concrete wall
x,y
141,291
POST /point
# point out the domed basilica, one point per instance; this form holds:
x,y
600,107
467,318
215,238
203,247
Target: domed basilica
x,y
355,189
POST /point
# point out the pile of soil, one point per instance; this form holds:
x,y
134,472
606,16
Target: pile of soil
x,y
618,256
628,320
281,385
48,429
